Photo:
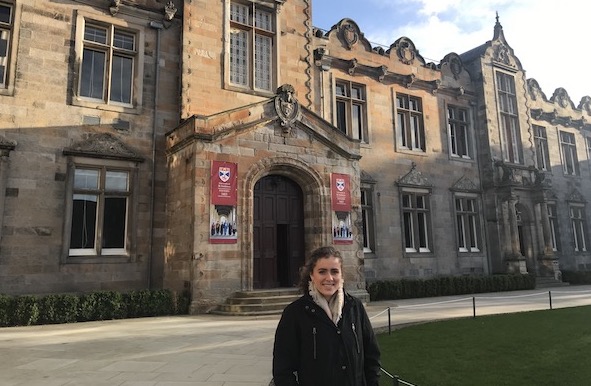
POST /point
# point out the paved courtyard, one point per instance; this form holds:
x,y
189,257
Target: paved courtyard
x,y
209,349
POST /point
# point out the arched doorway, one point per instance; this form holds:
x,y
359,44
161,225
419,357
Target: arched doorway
x,y
278,232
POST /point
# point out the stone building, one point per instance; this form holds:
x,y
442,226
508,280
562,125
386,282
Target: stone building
x,y
212,145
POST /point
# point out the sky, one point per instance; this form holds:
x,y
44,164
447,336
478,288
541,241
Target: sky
x,y
547,36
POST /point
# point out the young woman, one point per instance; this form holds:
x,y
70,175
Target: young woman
x,y
325,338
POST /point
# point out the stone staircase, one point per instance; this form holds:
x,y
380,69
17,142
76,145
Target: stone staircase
x,y
257,302
549,282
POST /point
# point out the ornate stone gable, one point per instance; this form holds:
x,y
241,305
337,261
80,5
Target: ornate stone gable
x,y
561,98
576,196
414,178
534,90
464,184
350,35
367,178
406,51
103,145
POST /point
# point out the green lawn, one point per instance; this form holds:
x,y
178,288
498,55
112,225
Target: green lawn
x,y
537,348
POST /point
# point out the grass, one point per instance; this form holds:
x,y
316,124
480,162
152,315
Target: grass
x,y
536,348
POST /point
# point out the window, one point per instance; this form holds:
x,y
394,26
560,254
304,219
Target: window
x,y
568,148
252,46
367,220
588,143
110,63
351,110
467,222
6,26
459,133
416,221
579,225
553,226
100,211
541,143
510,133
409,115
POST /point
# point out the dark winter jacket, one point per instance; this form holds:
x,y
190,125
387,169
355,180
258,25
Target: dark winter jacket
x,y
321,353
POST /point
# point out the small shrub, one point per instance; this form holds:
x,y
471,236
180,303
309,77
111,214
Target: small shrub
x,y
25,311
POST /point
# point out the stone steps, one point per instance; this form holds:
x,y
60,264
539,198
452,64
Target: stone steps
x,y
257,302
549,282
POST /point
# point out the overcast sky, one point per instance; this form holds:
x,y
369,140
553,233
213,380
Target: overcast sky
x,y
548,36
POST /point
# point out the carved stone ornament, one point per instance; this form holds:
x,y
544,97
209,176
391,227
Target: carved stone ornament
x,y
414,178
535,92
464,184
501,54
585,104
114,7
6,146
454,63
349,33
576,196
561,97
103,145
406,50
287,106
169,10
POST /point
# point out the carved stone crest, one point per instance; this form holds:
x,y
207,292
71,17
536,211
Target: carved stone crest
x,y
406,50
502,54
349,34
286,106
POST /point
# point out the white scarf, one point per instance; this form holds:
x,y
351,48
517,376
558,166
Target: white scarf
x,y
332,307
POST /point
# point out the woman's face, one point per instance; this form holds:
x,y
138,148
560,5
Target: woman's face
x,y
327,276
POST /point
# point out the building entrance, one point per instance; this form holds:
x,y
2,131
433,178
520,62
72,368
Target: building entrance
x,y
278,232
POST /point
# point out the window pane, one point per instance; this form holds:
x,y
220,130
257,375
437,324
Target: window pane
x,y
93,74
342,116
356,125
239,57
124,40
86,179
114,222
341,89
83,230
116,181
95,34
408,235
262,61
5,14
239,13
422,224
263,20
121,79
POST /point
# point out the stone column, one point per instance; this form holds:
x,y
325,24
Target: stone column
x,y
515,252
3,179
546,231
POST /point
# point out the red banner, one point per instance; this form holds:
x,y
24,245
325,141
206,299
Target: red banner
x,y
340,192
224,182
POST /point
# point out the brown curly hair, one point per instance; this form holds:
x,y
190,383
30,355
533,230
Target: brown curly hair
x,y
308,268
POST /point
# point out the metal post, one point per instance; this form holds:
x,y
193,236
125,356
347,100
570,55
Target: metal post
x,y
473,306
395,380
550,297
389,322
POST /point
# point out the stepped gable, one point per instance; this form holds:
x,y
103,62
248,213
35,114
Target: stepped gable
x,y
103,145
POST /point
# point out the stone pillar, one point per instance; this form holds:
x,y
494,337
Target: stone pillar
x,y
515,252
548,251
3,179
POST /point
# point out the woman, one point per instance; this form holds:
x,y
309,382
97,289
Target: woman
x,y
325,338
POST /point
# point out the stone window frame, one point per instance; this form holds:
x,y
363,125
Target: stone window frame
x,y
510,131
99,255
10,31
416,220
127,25
578,219
410,123
348,101
541,145
368,217
272,6
457,124
568,153
468,217
554,228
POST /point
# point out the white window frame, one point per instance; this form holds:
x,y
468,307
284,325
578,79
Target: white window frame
x,y
410,123
352,96
460,132
568,151
248,81
468,232
416,220
509,118
97,251
111,24
578,220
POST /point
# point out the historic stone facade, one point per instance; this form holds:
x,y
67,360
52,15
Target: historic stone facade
x,y
211,146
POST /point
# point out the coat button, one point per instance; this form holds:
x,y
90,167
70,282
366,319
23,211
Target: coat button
x,y
339,332
343,367
313,310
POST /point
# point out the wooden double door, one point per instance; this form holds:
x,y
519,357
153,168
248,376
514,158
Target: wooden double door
x,y
278,232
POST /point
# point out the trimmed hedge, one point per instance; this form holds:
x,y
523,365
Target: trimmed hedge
x,y
448,285
29,310
576,277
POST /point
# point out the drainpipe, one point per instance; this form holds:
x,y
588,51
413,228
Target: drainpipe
x,y
158,27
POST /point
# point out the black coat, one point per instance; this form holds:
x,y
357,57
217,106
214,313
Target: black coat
x,y
308,343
